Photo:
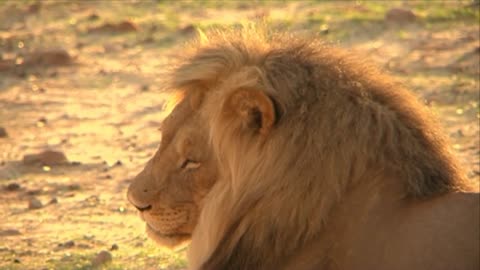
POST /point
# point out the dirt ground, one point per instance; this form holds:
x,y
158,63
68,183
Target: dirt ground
x,y
83,79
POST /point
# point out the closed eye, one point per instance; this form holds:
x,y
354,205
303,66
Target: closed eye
x,y
190,164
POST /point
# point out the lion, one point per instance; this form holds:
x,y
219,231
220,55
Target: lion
x,y
320,161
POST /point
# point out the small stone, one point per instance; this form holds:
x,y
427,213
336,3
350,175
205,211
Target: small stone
x,y
187,30
124,26
34,8
68,244
54,200
53,57
33,192
16,260
46,158
400,15
42,122
102,258
118,163
114,247
3,132
93,17
84,246
106,177
34,203
12,187
9,232
145,87
73,187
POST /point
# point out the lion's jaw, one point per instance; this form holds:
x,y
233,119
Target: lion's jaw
x,y
171,241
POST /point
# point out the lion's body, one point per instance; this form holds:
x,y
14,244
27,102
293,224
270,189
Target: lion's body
x,y
440,233
323,163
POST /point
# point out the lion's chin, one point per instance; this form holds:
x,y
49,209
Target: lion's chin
x,y
170,241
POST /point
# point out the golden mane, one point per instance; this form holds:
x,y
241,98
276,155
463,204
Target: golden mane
x,y
340,123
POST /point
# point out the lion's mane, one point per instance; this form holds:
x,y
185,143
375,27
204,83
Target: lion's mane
x,y
340,123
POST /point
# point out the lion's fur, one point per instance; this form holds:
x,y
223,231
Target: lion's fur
x,y
343,126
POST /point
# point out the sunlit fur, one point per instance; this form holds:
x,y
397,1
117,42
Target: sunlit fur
x,y
349,142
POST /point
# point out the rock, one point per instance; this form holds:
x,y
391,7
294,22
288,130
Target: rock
x,y
93,17
124,26
84,246
400,15
41,122
46,158
73,187
33,192
188,30
105,177
6,65
102,258
145,88
68,244
9,232
114,247
34,203
3,132
52,57
16,260
54,200
12,187
34,8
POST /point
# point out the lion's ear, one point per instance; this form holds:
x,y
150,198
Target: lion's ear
x,y
253,108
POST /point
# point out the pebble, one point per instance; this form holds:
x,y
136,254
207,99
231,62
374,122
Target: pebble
x,y
34,203
400,15
67,244
9,232
145,88
102,258
3,132
46,158
54,200
12,187
124,26
53,57
93,17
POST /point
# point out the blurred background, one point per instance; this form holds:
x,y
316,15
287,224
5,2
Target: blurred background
x,y
80,105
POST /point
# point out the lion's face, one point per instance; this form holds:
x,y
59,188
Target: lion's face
x,y
170,189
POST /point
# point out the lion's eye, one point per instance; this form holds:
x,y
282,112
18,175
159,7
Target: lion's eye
x,y
190,164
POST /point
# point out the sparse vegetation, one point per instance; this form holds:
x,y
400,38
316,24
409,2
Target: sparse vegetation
x,y
102,107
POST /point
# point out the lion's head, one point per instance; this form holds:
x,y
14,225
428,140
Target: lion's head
x,y
170,189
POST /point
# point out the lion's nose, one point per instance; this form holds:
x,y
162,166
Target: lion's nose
x,y
141,206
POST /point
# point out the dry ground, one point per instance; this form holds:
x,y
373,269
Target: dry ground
x,y
96,98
